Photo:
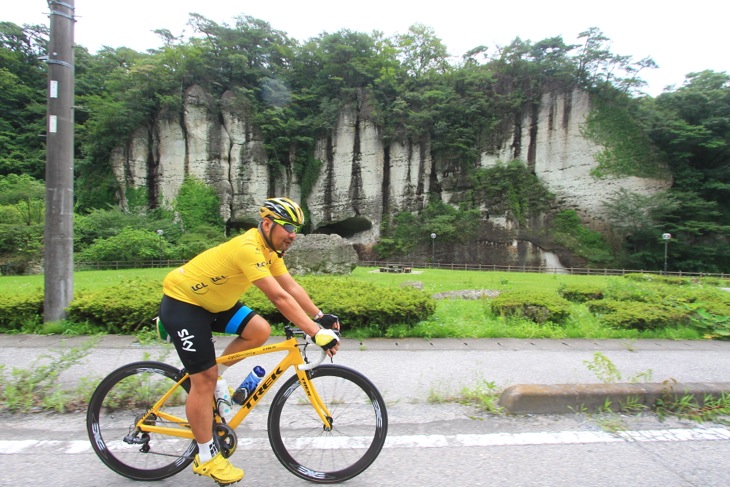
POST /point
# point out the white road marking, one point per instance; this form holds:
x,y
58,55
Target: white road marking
x,y
10,447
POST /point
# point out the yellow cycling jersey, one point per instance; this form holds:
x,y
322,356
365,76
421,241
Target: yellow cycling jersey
x,y
218,277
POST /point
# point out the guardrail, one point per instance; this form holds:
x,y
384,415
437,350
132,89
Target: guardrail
x,y
538,269
126,264
85,266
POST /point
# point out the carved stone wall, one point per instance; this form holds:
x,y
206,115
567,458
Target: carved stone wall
x,y
361,179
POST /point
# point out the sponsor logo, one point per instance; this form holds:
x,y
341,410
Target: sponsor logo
x,y
261,265
199,288
187,340
219,280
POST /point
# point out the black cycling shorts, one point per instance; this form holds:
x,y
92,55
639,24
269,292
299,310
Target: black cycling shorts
x,y
191,330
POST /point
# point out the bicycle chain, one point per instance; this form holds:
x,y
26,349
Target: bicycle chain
x,y
169,455
150,452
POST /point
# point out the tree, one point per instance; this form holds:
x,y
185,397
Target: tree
x,y
22,99
197,204
599,68
421,51
637,220
691,126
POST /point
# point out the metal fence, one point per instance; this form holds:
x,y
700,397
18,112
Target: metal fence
x,y
539,269
126,264
85,266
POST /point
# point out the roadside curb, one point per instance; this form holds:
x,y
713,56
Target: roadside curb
x,y
571,398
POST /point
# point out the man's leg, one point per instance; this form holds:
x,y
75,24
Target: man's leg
x,y
255,334
199,407
200,416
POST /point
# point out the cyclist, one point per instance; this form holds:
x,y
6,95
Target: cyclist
x,y
203,295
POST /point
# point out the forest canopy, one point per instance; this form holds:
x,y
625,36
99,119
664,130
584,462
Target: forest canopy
x,y
294,91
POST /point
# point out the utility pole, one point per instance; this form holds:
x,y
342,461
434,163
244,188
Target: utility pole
x,y
58,235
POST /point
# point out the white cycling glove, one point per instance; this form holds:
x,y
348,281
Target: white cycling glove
x,y
326,338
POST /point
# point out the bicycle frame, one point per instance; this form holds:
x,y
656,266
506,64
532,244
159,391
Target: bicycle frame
x,y
296,357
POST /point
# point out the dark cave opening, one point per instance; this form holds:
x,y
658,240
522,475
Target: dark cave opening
x,y
346,228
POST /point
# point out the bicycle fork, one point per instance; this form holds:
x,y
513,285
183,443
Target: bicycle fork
x,y
315,399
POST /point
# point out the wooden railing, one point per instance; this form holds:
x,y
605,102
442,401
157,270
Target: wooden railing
x,y
540,269
85,266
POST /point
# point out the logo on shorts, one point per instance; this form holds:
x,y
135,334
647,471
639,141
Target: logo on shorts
x,y
187,340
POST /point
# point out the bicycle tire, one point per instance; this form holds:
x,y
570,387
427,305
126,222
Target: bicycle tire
x,y
116,405
359,425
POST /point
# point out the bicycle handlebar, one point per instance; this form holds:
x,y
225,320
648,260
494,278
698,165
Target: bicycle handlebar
x,y
313,353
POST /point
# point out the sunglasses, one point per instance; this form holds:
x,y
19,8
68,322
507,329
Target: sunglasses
x,y
289,227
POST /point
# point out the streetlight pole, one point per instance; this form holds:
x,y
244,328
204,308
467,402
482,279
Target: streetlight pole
x,y
160,233
433,248
666,237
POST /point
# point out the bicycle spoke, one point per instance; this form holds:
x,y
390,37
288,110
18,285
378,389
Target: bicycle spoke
x,y
124,398
359,424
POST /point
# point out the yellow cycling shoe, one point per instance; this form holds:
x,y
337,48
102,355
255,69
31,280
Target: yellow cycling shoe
x,y
219,469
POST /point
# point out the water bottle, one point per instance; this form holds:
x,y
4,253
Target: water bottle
x,y
248,385
223,399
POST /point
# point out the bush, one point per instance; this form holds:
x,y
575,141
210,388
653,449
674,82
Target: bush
x,y
637,315
714,281
17,311
124,308
358,304
539,307
580,293
129,244
658,279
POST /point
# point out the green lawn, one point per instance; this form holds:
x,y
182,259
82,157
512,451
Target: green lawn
x,y
458,318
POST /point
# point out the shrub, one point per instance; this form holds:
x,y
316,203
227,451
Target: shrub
x,y
714,281
710,312
658,279
637,315
124,308
536,306
580,293
129,244
18,310
358,304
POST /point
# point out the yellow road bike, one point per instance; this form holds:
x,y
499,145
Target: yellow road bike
x,y
327,423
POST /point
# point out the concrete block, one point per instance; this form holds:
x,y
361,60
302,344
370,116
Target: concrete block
x,y
571,398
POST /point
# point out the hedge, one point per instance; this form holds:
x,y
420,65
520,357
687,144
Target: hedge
x,y
539,307
131,305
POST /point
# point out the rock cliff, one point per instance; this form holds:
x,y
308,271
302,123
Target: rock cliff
x,y
361,178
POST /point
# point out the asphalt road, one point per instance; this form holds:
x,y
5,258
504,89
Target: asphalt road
x,y
428,443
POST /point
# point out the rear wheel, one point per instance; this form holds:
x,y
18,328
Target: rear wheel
x,y
359,425
119,402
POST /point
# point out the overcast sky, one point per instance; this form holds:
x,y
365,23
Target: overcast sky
x,y
681,39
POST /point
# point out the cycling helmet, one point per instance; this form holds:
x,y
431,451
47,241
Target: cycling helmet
x,y
282,209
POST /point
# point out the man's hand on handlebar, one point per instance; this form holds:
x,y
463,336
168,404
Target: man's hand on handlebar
x,y
329,340
329,321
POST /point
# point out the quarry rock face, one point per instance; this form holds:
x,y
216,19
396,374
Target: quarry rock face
x,y
361,178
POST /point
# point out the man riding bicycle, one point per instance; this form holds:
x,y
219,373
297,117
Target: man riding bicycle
x,y
202,297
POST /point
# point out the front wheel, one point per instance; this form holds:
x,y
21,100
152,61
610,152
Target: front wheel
x,y
119,402
359,425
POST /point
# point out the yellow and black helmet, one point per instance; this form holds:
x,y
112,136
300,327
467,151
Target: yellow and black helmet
x,y
282,209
